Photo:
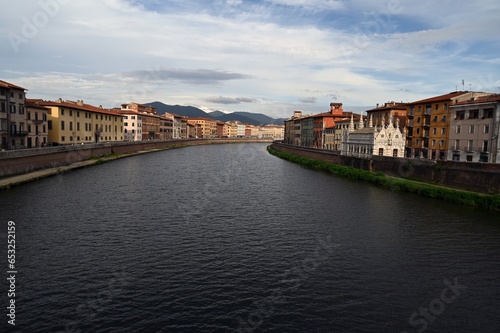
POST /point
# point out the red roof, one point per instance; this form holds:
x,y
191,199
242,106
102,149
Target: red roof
x,y
76,105
482,99
441,98
9,85
390,106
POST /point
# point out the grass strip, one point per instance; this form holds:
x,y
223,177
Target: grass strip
x,y
398,184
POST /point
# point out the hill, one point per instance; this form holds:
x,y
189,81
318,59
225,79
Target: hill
x,y
191,111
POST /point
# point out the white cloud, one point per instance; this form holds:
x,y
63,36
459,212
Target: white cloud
x,y
231,49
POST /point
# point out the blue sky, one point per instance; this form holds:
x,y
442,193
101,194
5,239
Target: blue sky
x,y
267,56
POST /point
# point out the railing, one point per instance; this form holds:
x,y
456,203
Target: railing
x,y
18,133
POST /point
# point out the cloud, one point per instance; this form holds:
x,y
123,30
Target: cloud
x,y
230,100
308,100
198,76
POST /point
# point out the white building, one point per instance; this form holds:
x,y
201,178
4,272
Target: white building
x,y
132,125
382,140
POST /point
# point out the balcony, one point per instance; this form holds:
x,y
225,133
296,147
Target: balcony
x,y
18,133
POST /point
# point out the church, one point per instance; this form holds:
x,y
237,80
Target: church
x,y
381,139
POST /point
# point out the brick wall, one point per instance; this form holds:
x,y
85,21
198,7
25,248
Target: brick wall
x,y
477,177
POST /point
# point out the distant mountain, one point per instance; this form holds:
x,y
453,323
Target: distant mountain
x,y
191,111
262,119
240,118
216,114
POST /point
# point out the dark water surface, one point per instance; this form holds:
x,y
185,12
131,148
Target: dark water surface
x,y
227,238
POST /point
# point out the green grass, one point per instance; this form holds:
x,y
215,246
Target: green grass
x,y
398,184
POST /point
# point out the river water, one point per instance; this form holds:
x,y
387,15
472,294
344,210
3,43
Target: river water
x,y
228,238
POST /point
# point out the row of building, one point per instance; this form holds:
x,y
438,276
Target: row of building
x,y
29,123
459,126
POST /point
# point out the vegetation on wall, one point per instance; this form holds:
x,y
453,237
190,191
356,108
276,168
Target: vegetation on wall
x,y
397,184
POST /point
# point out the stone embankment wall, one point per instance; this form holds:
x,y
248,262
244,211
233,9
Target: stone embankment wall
x,y
477,177
16,162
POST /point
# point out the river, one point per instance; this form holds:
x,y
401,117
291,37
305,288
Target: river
x,y
228,238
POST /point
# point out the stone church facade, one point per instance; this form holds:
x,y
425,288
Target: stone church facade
x,y
381,139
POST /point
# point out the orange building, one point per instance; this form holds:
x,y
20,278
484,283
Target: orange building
x,y
428,124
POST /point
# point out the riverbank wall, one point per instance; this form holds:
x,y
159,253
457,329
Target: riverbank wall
x,y
18,162
476,177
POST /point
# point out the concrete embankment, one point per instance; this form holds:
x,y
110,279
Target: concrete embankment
x,y
476,177
20,166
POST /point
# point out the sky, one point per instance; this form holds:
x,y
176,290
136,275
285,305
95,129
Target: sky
x,y
262,56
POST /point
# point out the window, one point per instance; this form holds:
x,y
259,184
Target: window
x,y
418,131
469,158
78,116
70,113
444,119
78,127
416,142
473,114
436,107
435,119
132,117
457,145
434,130
62,125
70,138
460,115
445,106
471,129
485,145
70,126
44,117
458,129
418,120
433,143
443,130
3,106
62,112
126,124
63,138
21,109
125,117
12,108
44,129
28,115
486,129
470,145
381,151
49,123
441,143
394,153
488,113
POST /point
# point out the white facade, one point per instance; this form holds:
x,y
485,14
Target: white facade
x,y
383,140
132,127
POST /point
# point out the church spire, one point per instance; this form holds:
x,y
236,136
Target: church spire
x,y
351,124
370,123
361,123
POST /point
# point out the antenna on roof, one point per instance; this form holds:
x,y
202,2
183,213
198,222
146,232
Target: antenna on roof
x,y
463,84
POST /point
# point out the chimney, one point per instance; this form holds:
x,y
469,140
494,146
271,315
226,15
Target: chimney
x,y
79,102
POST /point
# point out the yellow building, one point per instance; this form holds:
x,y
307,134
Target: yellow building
x,y
72,122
